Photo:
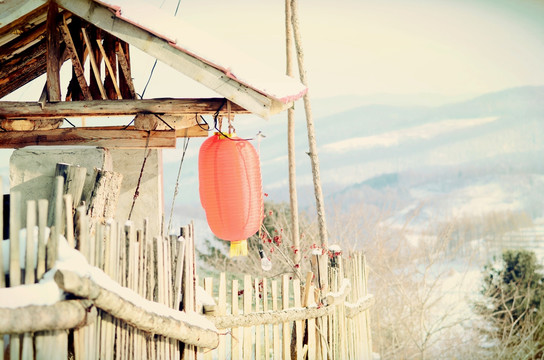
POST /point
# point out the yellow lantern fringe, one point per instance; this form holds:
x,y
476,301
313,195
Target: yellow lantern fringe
x,y
238,248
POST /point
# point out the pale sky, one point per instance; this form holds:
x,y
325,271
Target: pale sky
x,y
363,47
389,46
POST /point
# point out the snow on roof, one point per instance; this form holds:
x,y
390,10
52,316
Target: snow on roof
x,y
197,44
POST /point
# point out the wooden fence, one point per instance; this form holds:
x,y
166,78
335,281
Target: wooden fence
x,y
280,319
101,319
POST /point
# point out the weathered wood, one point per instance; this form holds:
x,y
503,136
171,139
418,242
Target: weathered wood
x,y
23,68
146,320
125,81
104,197
31,110
14,246
104,137
53,53
2,275
43,205
182,61
247,300
275,316
60,316
164,122
21,43
94,66
111,72
15,16
235,331
314,158
77,66
55,222
286,327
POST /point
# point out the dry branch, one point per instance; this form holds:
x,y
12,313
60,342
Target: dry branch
x,y
60,316
136,316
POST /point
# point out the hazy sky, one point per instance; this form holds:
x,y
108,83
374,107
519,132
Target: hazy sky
x,y
361,47
388,46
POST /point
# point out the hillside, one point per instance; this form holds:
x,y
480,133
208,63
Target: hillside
x,y
491,140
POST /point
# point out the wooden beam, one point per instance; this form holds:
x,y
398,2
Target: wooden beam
x,y
94,66
102,137
26,67
30,110
76,63
53,53
21,43
111,72
18,15
189,65
126,80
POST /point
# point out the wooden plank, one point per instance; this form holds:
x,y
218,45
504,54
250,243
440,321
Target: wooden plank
x,y
14,260
298,324
235,332
27,350
109,138
286,327
43,205
187,64
16,15
31,110
21,43
94,66
109,66
222,310
275,327
258,300
247,350
77,66
266,327
26,66
123,58
312,342
53,53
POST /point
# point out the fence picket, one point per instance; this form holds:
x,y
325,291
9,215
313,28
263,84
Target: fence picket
x,y
275,327
235,337
222,310
258,327
298,323
248,299
286,326
266,327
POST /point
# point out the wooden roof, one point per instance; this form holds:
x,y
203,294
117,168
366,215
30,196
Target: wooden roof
x,y
38,36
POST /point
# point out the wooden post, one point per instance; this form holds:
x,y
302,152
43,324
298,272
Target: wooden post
x,y
291,141
53,53
320,204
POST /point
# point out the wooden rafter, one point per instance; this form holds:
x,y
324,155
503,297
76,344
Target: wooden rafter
x,y
23,68
33,110
94,66
124,65
76,63
111,72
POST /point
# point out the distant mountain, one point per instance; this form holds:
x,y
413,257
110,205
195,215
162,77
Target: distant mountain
x,y
379,147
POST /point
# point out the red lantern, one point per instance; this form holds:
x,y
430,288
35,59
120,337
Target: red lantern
x,y
231,189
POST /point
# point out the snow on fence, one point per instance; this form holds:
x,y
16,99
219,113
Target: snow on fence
x,y
271,319
94,290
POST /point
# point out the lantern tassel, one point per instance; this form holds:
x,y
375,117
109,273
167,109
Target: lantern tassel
x,y
238,248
